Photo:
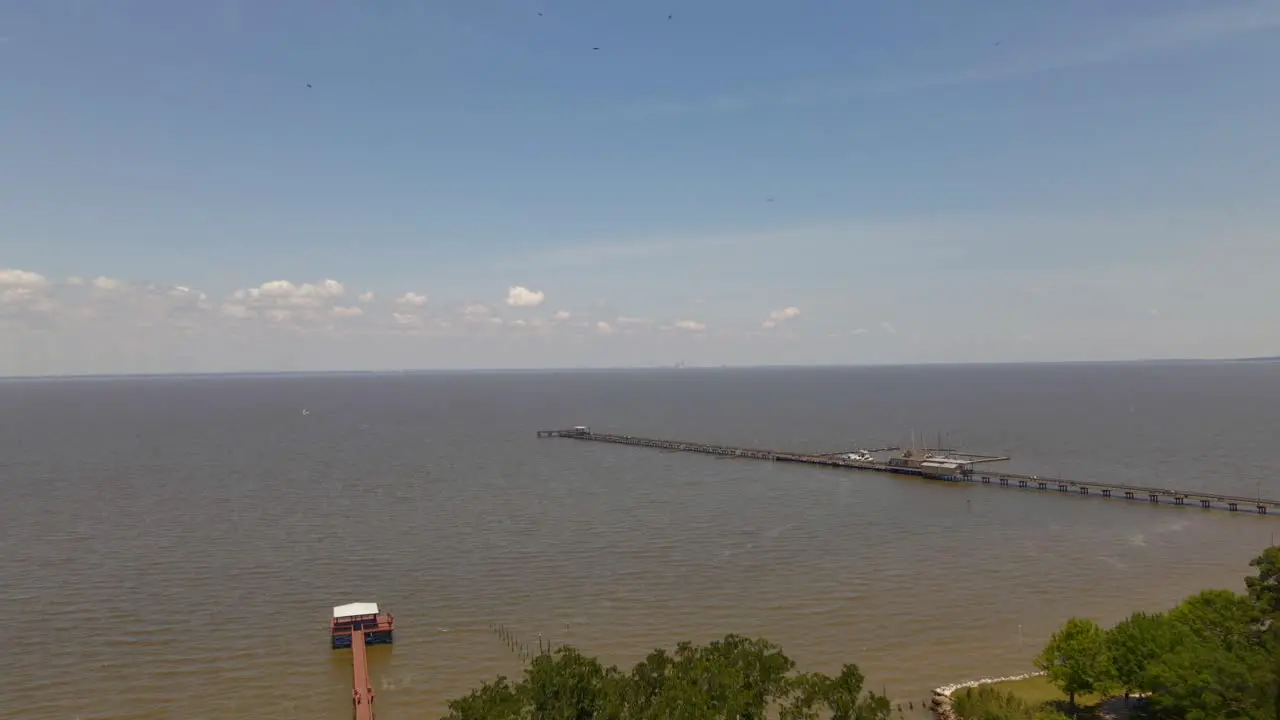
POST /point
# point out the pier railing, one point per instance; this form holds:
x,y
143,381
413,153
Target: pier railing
x,y
1138,493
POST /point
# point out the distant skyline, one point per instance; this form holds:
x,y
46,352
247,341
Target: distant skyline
x,y
290,186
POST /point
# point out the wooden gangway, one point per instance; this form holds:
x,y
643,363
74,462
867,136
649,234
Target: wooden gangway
x,y
1205,499
361,689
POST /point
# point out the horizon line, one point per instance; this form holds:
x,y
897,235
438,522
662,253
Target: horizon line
x,y
612,368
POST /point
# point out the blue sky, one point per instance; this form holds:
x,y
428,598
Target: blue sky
x,y
921,181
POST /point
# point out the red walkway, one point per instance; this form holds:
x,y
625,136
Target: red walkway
x,y
361,693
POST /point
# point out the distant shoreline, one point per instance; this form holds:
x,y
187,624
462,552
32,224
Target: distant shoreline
x,y
606,369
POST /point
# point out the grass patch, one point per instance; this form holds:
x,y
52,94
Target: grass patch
x,y
1030,699
1038,691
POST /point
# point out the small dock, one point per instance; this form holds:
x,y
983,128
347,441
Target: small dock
x,y
948,466
354,626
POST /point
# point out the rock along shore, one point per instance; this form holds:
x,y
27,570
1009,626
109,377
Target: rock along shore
x,y
941,704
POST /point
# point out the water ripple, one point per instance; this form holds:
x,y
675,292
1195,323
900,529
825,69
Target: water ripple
x,y
200,529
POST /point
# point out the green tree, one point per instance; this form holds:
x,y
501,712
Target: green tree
x,y
1264,590
497,700
1221,617
840,698
1264,587
844,698
736,678
1271,649
567,685
1205,681
1075,659
1137,642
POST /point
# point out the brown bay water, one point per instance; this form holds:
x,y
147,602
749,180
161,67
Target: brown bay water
x,y
171,547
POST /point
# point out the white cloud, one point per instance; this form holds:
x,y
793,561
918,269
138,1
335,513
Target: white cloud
x,y
237,311
1092,310
178,297
689,325
282,293
12,277
780,316
477,313
404,318
889,328
412,299
23,290
75,280
365,297
18,295
520,296
105,283
346,312
624,320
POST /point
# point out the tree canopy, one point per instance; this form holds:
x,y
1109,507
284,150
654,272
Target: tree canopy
x,y
1137,643
1264,587
1214,656
1076,658
736,677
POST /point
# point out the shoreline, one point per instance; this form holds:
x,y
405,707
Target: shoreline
x,y
941,703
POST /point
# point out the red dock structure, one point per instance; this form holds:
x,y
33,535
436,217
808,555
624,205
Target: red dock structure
x,y
361,691
356,625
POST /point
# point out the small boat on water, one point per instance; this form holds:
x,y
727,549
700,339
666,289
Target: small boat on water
x,y
858,456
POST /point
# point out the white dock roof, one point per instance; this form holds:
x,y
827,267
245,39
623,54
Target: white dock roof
x,y
355,609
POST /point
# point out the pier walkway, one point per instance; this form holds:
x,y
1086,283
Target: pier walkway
x,y
361,690
356,626
1150,494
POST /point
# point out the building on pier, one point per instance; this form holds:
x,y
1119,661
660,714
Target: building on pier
x,y
364,618
944,467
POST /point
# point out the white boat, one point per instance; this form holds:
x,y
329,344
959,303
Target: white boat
x,y
859,456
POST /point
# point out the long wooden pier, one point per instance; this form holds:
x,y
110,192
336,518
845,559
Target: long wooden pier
x,y
1137,493
361,688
